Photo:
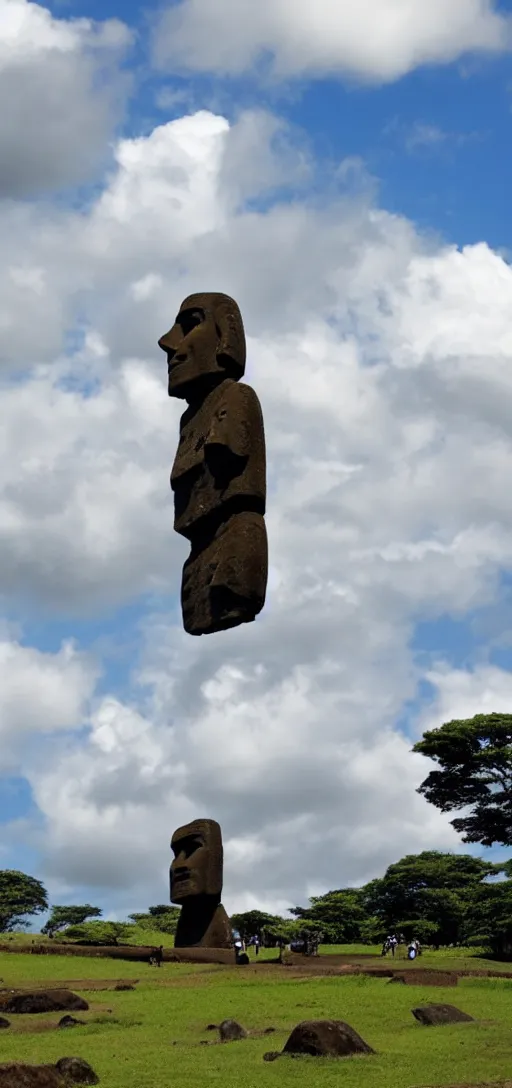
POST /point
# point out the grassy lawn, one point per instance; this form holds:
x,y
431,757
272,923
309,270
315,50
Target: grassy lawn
x,y
151,1037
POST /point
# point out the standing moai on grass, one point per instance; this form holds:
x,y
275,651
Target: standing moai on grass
x,y
219,473
196,885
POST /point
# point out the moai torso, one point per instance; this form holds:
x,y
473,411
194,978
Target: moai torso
x,y
219,473
220,463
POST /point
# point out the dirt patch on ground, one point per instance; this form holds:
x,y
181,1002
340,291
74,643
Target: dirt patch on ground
x,y
73,984
482,1084
334,965
34,1024
426,978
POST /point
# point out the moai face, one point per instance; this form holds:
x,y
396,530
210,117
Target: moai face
x,y
205,345
198,857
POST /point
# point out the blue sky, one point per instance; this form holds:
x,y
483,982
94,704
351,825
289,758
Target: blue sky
x,y
404,168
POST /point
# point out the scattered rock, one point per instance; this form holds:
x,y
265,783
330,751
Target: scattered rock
x,y
325,1038
69,1022
231,1030
268,1031
212,1027
271,1055
431,1015
43,1001
16,1075
77,1070
124,986
396,978
4,1023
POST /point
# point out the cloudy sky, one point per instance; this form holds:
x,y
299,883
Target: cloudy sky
x,y
344,171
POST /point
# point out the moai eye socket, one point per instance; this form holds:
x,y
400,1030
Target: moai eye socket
x,y
190,319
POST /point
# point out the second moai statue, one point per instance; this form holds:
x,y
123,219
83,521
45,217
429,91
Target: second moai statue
x,y
219,473
196,884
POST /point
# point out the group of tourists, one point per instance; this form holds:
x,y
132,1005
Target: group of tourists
x,y
392,941
308,947
242,946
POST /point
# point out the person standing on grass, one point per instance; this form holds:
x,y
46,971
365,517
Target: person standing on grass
x,y
256,944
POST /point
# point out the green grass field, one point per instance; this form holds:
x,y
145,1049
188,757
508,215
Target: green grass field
x,y
151,1037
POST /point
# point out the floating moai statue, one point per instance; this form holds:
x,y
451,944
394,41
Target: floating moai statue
x,y
196,884
219,473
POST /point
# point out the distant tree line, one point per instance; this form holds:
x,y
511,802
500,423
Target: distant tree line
x,y
440,898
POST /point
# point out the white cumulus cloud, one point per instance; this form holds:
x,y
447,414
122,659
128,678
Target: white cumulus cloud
x,y
41,693
377,42
64,89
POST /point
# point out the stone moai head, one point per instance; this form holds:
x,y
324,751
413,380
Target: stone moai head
x,y
205,345
198,858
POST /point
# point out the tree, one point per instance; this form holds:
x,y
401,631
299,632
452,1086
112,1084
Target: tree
x,y
284,931
104,933
340,913
429,887
475,757
252,923
280,932
490,921
374,930
20,896
62,917
163,918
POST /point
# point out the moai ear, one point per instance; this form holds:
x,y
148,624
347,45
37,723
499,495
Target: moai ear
x,y
213,836
231,350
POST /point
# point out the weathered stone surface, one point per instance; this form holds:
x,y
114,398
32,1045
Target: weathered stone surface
x,y
325,1038
432,1015
219,473
196,884
42,1001
231,1030
271,1055
200,954
67,1071
69,1022
18,1075
212,1027
77,1070
4,1023
124,986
